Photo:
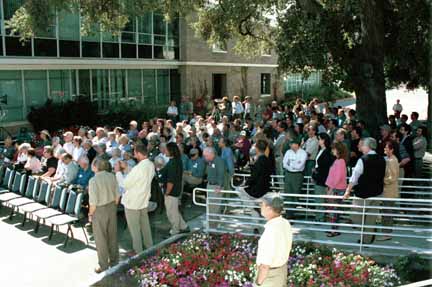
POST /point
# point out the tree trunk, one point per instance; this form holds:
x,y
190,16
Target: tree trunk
x,y
429,90
368,68
371,103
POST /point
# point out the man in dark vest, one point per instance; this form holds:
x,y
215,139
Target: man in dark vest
x,y
258,184
368,181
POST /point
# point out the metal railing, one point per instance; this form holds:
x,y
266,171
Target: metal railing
x,y
409,187
410,230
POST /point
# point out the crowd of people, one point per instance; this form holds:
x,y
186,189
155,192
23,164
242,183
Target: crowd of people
x,y
151,165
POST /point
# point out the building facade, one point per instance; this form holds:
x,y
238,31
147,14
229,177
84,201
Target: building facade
x,y
152,61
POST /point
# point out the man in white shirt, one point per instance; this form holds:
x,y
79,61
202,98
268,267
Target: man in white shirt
x,y
368,180
294,164
237,107
397,109
68,146
172,112
311,147
68,170
137,185
100,137
274,246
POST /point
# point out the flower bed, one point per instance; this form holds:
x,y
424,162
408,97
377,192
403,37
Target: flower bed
x,y
229,260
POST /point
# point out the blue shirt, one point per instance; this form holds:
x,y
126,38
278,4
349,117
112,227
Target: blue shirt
x,y
197,167
83,177
228,157
184,159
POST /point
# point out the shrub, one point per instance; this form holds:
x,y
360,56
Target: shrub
x,y
82,112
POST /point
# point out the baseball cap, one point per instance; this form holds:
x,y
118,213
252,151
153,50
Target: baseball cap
x,y
194,151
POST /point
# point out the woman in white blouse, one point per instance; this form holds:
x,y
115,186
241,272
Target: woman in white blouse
x,y
78,150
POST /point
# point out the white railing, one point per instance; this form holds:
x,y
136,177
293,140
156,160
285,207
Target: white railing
x,y
410,231
409,187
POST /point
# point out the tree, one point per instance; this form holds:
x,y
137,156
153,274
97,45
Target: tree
x,y
365,46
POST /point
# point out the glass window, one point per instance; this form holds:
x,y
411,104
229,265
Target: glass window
x,y
100,88
158,52
145,38
118,86
11,87
91,43
110,50
90,49
134,84
265,84
128,34
69,28
84,83
145,23
45,47
109,37
175,84
69,48
163,89
145,51
159,40
14,47
159,24
149,85
10,6
128,50
173,32
59,85
36,89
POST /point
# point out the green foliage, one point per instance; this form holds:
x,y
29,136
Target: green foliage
x,y
413,268
54,116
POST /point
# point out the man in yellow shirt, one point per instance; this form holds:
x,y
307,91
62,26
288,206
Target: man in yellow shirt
x,y
274,245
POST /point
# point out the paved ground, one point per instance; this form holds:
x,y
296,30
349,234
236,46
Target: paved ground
x,y
411,101
30,260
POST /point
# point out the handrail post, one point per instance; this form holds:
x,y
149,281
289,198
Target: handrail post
x,y
362,225
307,198
207,213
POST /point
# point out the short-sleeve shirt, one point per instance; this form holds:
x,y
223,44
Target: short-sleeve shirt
x,y
103,189
50,163
275,243
173,173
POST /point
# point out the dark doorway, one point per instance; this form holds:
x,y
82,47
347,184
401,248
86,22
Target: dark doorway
x,y
219,86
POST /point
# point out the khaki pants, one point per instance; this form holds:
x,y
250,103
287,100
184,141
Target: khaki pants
x,y
276,277
214,207
173,214
105,235
279,165
139,227
368,219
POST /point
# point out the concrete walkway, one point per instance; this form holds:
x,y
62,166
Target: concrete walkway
x,y
30,260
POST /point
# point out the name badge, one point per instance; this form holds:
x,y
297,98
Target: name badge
x,y
213,165
195,165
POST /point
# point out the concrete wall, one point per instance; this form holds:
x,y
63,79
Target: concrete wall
x,y
193,48
197,81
